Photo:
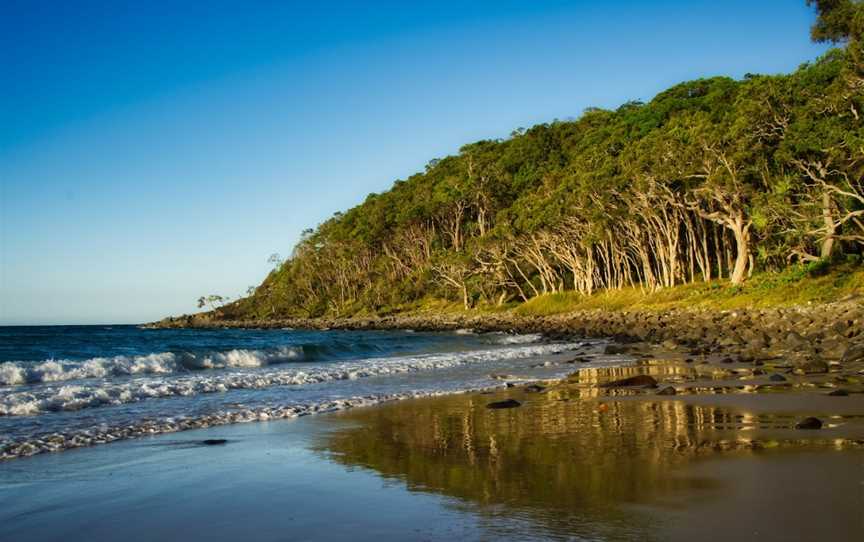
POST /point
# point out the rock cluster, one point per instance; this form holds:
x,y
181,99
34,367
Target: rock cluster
x,y
810,337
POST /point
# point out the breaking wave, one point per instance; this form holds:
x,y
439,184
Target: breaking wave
x,y
16,373
13,373
70,397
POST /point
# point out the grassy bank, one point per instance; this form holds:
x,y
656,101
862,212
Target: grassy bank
x,y
800,285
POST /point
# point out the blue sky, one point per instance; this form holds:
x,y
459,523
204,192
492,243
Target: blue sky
x,y
152,152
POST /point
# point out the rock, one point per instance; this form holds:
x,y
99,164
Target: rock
x,y
500,376
777,378
811,367
668,390
832,349
854,353
580,359
214,441
644,381
534,388
809,423
794,339
839,393
507,403
613,349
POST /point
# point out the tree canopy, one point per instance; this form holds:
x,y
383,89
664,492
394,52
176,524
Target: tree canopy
x,y
713,178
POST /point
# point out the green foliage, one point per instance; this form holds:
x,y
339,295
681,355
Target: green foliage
x,y
710,179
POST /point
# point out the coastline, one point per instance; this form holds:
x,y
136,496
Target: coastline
x,y
830,332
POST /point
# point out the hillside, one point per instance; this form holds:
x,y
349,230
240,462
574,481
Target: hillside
x,y
712,180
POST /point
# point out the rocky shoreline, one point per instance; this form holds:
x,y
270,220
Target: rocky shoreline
x,y
810,338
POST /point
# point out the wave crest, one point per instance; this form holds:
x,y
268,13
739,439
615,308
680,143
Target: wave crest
x,y
17,373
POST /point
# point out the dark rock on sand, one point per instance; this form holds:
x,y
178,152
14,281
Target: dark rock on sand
x,y
839,393
579,359
613,349
507,403
809,423
644,381
777,378
534,388
668,390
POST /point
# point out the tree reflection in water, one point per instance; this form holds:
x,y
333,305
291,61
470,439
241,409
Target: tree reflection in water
x,y
558,460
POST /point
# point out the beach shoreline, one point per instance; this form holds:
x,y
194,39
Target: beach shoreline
x,y
606,452
830,332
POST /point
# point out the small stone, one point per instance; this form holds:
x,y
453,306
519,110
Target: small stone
x,y
668,390
777,378
534,388
839,393
507,403
809,423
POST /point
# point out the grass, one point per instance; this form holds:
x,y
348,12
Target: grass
x,y
798,285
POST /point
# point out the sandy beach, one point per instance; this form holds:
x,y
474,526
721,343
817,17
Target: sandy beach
x,y
575,460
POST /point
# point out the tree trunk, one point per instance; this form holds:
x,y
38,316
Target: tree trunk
x,y
742,246
830,227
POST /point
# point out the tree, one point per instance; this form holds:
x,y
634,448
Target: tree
x,y
836,21
275,260
213,301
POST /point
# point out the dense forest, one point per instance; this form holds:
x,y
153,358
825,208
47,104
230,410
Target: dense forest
x,y
712,179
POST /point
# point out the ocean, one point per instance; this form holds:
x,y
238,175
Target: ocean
x,y
71,386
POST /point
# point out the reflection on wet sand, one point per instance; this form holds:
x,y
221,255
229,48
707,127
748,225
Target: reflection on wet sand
x,y
571,459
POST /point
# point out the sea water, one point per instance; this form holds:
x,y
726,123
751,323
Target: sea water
x,y
70,386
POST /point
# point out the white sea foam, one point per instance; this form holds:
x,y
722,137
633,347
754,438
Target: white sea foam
x,y
16,373
91,394
519,339
59,441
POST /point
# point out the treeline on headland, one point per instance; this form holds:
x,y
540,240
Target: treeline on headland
x,y
712,179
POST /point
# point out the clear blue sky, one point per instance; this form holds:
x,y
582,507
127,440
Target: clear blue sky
x,y
152,152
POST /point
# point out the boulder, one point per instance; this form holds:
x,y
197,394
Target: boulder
x,y
668,390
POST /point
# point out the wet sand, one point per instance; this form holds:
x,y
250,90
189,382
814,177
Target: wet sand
x,y
575,461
